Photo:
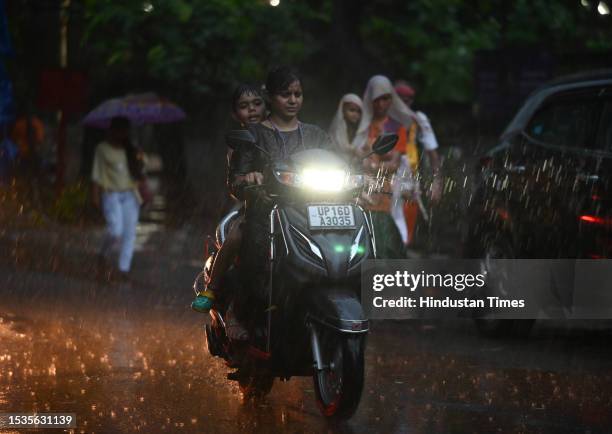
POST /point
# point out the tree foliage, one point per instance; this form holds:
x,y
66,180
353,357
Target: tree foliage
x,y
434,41
197,48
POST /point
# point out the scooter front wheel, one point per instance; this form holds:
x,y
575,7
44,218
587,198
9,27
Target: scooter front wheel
x,y
339,384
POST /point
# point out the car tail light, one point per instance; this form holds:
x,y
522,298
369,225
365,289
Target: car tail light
x,y
595,220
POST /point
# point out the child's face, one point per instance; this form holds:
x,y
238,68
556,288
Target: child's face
x,y
351,112
249,109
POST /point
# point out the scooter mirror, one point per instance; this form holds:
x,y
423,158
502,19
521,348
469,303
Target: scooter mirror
x,y
384,143
237,139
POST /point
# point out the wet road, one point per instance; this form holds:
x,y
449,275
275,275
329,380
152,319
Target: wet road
x,y
130,357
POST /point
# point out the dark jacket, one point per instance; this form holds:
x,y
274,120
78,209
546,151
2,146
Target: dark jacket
x,y
269,147
273,146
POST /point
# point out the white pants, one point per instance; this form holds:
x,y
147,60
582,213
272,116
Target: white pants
x,y
403,181
121,209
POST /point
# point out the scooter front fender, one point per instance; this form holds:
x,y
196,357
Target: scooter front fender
x,y
336,308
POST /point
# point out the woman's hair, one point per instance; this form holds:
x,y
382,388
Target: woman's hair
x,y
120,123
280,78
135,164
245,89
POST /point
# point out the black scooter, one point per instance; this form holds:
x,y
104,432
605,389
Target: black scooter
x,y
307,319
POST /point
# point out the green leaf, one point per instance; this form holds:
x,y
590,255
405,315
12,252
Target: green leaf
x,y
156,54
183,10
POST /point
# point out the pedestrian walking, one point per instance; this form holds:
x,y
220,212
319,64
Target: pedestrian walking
x,y
419,134
383,112
116,172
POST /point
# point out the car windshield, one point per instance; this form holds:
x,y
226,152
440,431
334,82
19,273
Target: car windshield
x,y
604,136
566,122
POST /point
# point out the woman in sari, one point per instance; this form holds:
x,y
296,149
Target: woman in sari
x,y
384,112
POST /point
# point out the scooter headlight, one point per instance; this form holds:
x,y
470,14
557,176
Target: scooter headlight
x,y
318,179
324,179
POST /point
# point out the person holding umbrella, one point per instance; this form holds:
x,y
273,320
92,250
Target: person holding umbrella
x,y
115,175
118,166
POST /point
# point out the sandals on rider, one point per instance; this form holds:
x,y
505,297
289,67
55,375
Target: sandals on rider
x,y
203,301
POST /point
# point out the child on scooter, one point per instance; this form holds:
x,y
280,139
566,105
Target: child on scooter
x,y
248,107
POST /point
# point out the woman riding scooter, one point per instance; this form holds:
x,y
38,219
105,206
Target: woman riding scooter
x,y
279,136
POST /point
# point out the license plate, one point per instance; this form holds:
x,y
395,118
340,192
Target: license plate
x,y
331,216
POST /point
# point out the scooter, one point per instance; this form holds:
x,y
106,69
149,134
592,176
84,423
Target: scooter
x,y
307,319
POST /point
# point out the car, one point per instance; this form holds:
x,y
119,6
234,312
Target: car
x,y
545,191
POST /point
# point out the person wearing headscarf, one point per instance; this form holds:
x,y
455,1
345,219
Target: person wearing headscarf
x,y
343,128
419,133
383,112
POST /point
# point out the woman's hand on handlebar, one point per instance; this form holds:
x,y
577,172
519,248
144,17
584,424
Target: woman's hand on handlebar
x,y
253,178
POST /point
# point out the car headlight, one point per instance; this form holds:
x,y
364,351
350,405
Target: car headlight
x,y
320,179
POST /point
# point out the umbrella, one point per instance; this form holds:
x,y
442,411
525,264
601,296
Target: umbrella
x,y
145,108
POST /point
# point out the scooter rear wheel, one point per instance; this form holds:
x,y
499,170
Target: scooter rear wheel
x,y
338,387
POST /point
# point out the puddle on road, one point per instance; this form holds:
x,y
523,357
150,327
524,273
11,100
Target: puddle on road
x,y
128,371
